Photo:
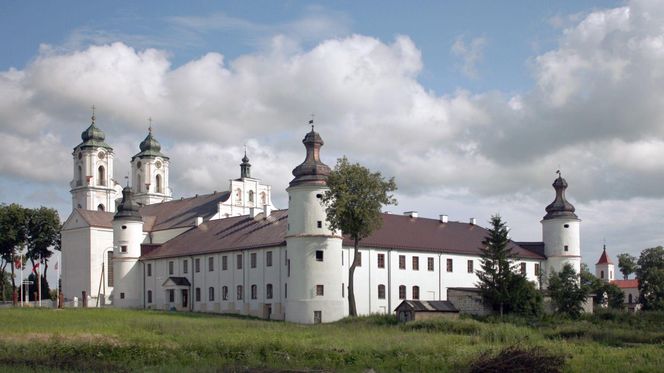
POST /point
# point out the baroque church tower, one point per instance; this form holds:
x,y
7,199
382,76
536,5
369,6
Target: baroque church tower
x,y
313,249
150,172
560,232
93,187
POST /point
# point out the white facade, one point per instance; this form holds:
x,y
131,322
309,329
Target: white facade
x,y
127,276
149,180
246,194
93,186
562,244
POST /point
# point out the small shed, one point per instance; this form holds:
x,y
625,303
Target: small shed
x,y
425,309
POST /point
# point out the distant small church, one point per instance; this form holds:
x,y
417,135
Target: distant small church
x,y
605,271
233,252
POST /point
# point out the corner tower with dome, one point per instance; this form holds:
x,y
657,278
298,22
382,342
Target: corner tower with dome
x,y
561,232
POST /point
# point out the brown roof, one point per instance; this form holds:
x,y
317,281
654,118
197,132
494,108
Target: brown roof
x,y
397,232
166,215
626,284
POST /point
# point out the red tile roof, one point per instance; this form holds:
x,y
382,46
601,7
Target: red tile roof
x,y
626,284
397,232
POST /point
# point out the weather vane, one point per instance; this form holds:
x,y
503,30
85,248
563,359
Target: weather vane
x,y
150,126
311,121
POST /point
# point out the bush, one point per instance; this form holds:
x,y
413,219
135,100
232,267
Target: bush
x,y
518,359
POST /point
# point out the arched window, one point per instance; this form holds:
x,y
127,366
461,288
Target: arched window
x,y
211,294
254,291
224,293
381,291
416,292
101,176
238,196
101,207
79,176
251,196
268,291
630,299
402,292
138,182
601,274
263,198
610,275
158,184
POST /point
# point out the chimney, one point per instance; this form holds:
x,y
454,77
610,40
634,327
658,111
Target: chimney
x,y
252,212
267,210
412,214
473,221
443,219
199,221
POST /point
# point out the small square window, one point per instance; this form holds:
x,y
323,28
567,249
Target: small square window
x,y
123,248
320,290
253,260
319,224
450,265
319,255
121,295
566,248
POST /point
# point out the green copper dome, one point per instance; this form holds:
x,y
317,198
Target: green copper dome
x,y
93,137
150,147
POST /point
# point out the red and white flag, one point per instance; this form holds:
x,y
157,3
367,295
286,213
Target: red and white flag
x,y
35,268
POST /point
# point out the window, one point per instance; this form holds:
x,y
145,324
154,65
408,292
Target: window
x,y
268,291
537,269
253,260
159,188
210,263
319,255
601,274
402,262
470,266
197,264
343,290
238,296
450,266
566,225
318,317
285,290
566,248
121,295
416,292
185,266
101,207
149,269
251,196
402,292
268,259
109,267
523,268
224,262
359,259
381,260
224,293
239,261
123,248
211,294
630,299
263,198
171,295
416,263
171,267
149,296
197,293
430,264
101,176
320,290
342,258
254,291
381,291
288,264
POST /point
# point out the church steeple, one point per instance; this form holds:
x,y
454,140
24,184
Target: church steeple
x,y
560,207
245,166
150,172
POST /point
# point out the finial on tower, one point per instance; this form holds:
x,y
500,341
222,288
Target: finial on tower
x,y
558,172
311,121
150,126
127,180
93,114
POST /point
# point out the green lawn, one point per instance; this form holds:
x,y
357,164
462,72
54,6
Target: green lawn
x,y
121,340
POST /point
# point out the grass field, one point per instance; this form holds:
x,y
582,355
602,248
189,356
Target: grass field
x,y
122,340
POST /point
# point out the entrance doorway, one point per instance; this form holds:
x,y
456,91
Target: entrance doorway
x,y
185,298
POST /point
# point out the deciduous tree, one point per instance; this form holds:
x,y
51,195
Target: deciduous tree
x,y
353,206
43,234
627,264
566,292
13,234
650,273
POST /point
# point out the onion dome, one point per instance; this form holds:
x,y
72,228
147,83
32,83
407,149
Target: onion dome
x,y
604,258
560,207
245,166
128,209
93,137
150,147
312,170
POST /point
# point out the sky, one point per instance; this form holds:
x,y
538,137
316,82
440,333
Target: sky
x,y
471,105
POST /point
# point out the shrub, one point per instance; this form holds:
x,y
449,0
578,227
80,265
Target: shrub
x,y
518,359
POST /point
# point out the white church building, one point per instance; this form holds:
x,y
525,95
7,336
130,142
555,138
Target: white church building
x,y
233,252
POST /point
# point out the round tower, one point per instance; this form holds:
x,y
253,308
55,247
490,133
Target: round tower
x,y
314,279
560,232
150,172
93,187
604,268
127,238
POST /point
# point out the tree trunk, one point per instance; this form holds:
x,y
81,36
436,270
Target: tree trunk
x,y
352,309
13,276
2,280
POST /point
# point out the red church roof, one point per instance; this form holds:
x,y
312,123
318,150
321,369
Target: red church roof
x,y
604,259
626,284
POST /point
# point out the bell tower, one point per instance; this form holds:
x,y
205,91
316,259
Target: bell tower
x,y
560,232
93,187
150,171
314,276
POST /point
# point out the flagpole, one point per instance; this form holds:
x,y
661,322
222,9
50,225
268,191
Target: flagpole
x,y
20,259
39,279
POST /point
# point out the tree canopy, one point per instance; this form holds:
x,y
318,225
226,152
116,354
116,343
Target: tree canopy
x,y
566,292
650,272
13,234
627,264
353,205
